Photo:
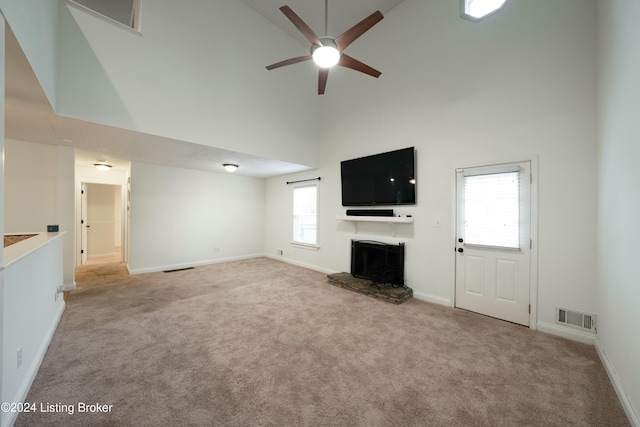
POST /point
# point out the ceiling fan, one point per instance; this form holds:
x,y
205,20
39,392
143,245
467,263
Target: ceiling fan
x,y
329,51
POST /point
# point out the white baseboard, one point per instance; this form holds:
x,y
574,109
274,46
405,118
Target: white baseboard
x,y
567,332
417,295
632,414
98,256
300,264
188,264
432,298
33,369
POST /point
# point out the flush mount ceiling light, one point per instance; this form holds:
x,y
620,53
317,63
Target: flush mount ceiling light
x,y
475,10
230,167
102,166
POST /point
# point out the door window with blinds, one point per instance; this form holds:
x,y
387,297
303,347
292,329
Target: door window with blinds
x,y
492,207
305,217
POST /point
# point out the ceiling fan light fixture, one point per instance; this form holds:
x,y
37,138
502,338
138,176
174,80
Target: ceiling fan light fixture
x,y
326,56
328,51
230,167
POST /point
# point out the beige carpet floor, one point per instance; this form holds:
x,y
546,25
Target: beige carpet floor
x,y
259,342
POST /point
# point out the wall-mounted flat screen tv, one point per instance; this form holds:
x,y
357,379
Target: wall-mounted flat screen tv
x,y
378,180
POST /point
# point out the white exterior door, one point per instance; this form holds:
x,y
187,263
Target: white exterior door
x,y
493,241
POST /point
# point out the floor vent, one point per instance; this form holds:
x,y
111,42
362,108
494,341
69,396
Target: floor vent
x,y
178,269
576,319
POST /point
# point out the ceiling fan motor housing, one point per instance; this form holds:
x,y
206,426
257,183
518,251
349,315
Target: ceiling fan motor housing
x,y
326,42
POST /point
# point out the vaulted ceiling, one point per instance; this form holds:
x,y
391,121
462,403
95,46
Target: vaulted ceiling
x,y
29,116
342,14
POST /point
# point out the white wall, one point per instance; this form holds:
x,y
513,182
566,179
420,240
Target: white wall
x,y
30,186
519,85
196,74
32,312
35,26
39,191
182,217
618,292
87,173
2,43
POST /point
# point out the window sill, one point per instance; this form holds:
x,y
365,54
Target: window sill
x,y
308,246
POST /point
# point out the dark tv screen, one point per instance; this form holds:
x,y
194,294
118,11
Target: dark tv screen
x,y
381,179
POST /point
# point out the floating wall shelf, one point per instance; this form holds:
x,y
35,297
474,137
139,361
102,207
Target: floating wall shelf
x,y
392,221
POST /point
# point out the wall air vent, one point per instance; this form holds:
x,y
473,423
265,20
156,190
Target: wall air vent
x,y
576,319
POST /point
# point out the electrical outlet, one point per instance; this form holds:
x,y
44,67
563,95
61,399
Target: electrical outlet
x,y
280,252
19,356
216,250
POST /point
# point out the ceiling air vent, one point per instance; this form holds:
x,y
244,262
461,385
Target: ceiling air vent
x,y
576,319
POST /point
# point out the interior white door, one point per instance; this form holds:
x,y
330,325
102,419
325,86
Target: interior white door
x,y
83,224
493,241
101,218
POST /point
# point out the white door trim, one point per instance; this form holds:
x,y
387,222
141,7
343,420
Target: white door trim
x,y
533,272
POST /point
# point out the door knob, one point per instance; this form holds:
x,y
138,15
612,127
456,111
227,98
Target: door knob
x,y
460,250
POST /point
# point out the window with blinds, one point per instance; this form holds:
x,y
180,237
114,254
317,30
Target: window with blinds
x,y
305,200
492,209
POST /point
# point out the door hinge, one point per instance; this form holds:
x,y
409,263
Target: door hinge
x,y
82,221
530,178
530,243
529,308
81,251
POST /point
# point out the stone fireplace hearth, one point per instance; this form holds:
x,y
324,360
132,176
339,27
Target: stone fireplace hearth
x,y
385,292
377,270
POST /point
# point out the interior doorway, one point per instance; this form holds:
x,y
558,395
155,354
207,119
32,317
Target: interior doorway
x,y
101,222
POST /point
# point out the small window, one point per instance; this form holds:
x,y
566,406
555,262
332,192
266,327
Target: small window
x,y
492,209
476,10
305,216
125,12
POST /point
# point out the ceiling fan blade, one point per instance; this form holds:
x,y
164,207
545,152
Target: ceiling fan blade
x,y
349,36
300,25
323,74
354,64
289,62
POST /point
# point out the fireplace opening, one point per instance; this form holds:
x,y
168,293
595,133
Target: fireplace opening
x,y
378,262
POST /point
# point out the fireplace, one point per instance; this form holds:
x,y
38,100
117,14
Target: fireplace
x,y
378,262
